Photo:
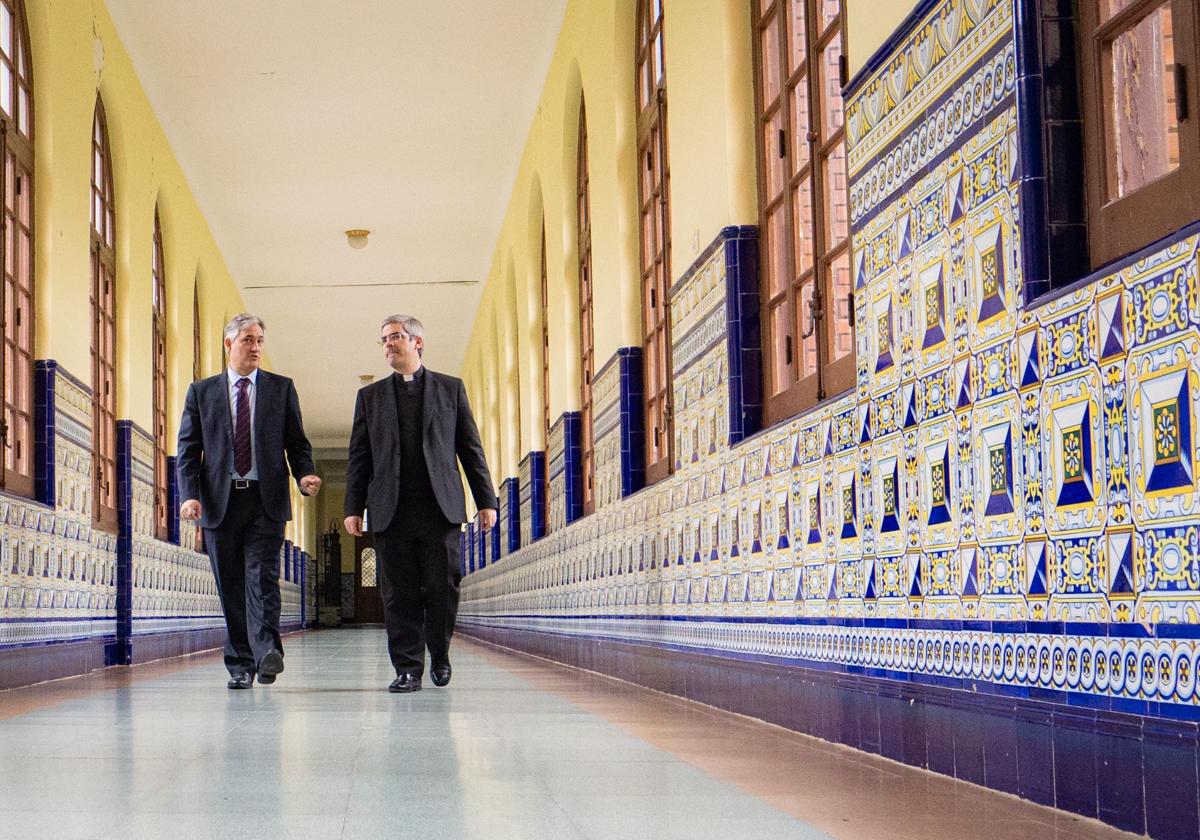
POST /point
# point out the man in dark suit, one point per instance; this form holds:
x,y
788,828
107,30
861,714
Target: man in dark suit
x,y
408,430
235,430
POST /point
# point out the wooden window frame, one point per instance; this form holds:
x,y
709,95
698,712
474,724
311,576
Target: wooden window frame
x,y
196,366
159,330
831,375
17,315
587,346
654,236
103,348
1123,225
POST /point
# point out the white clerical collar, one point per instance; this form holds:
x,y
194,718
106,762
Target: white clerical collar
x,y
234,376
409,377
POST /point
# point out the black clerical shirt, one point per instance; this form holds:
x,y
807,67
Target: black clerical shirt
x,y
414,472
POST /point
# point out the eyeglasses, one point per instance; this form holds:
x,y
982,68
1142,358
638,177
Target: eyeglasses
x,y
393,338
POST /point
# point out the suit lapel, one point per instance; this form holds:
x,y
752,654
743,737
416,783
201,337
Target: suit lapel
x,y
221,384
262,399
432,394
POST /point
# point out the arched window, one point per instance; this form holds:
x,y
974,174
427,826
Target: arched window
x,y
804,208
545,476
587,352
16,328
104,339
655,234
158,273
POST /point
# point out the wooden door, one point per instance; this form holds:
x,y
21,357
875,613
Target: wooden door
x,y
368,606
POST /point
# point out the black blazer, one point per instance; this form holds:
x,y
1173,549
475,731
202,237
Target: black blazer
x,y
205,454
373,472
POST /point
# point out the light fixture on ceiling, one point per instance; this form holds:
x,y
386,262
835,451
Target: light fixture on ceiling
x,y
357,238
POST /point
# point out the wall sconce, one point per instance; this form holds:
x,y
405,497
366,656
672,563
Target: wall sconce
x,y
357,238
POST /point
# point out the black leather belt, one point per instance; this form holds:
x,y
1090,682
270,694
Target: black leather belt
x,y
244,483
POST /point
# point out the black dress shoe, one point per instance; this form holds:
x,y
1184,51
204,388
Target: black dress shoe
x,y
242,680
405,683
441,673
270,667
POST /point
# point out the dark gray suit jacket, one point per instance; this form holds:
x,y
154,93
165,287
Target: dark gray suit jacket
x,y
205,455
449,432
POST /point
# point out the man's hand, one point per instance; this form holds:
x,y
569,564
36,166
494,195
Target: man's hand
x,y
353,525
310,484
190,509
487,519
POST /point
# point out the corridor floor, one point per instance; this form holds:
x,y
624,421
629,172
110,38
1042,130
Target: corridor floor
x,y
514,748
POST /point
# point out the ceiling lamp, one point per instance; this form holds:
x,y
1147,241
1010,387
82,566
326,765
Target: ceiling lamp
x,y
357,238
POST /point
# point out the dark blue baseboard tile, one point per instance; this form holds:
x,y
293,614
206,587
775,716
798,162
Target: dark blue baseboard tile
x,y
29,664
149,647
1170,778
1132,771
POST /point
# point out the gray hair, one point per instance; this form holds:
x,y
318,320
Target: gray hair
x,y
240,322
410,325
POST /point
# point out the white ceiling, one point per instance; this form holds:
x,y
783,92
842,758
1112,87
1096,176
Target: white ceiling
x,y
295,120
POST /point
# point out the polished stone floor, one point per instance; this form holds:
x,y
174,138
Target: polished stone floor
x,y
514,748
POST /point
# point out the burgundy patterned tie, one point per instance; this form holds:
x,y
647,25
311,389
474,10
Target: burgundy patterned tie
x,y
241,429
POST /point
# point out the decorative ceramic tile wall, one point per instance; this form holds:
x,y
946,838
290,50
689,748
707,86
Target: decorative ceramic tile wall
x,y
1008,502
565,471
619,427
509,520
58,576
533,497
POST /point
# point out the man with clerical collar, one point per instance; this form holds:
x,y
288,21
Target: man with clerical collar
x,y
411,432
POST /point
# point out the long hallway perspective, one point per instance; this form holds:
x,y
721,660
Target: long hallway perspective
x,y
516,748
793,406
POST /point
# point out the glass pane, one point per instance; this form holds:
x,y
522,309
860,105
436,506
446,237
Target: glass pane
x,y
831,88
780,372
806,362
6,88
368,569
6,30
829,11
837,198
838,309
801,145
798,34
23,111
644,85
778,268
802,222
1143,136
651,369
770,62
773,162
659,66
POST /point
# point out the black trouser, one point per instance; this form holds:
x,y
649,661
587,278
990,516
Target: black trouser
x,y
244,552
419,576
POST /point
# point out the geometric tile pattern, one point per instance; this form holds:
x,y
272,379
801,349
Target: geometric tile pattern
x,y
1031,470
1127,668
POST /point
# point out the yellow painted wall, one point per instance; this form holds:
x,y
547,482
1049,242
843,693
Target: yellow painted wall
x,y
710,126
868,24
